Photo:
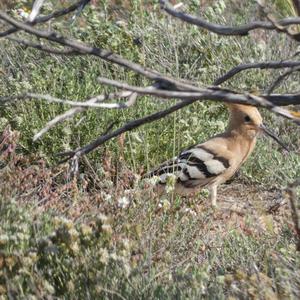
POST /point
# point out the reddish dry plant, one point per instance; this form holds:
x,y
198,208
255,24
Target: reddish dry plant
x,y
29,178
116,170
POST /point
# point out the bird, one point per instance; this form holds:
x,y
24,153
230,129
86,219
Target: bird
x,y
213,162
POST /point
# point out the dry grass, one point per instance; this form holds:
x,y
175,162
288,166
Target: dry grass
x,y
102,239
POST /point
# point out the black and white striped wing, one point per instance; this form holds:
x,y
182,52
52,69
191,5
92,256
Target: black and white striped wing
x,y
194,167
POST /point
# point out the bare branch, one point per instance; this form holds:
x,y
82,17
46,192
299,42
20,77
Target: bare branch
x,y
213,93
127,127
79,106
283,29
109,56
282,99
37,5
164,87
280,78
296,4
80,9
54,15
259,65
87,104
102,53
224,29
72,112
43,47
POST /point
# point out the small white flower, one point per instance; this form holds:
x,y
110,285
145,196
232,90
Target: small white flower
x,y
170,183
153,180
128,192
221,125
106,197
114,256
104,256
136,137
48,287
165,204
3,123
121,23
123,202
190,211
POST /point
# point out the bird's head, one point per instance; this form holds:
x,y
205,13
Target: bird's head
x,y
247,120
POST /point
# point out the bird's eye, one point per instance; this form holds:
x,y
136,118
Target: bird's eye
x,y
247,119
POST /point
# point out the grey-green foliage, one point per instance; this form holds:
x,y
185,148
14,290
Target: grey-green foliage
x,y
171,47
163,256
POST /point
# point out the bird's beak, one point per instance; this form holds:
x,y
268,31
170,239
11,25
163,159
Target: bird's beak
x,y
268,132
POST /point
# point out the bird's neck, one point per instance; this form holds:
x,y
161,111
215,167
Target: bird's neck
x,y
244,142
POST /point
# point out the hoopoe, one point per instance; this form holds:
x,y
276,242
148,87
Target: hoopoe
x,y
213,162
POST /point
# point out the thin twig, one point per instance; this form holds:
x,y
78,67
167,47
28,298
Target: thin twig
x,y
259,65
104,54
74,111
87,104
127,127
282,99
37,5
43,47
109,56
213,93
224,29
54,15
135,124
280,78
130,126
283,29
163,87
296,4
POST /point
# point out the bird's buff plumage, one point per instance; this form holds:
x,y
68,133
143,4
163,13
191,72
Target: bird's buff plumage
x,y
213,162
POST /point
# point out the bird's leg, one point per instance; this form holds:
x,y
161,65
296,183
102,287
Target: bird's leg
x,y
213,195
